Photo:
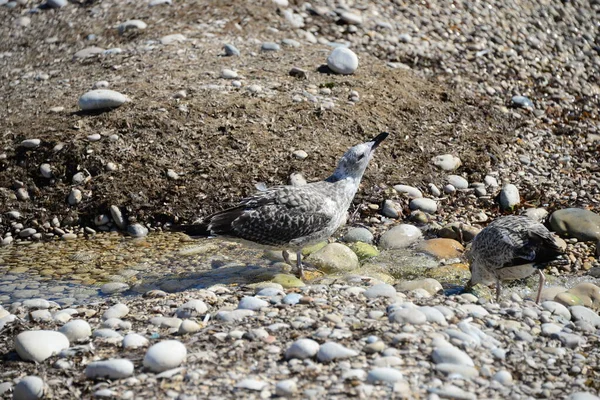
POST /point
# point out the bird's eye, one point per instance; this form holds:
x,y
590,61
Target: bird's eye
x,y
361,156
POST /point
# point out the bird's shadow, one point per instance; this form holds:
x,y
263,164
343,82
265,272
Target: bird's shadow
x,y
220,273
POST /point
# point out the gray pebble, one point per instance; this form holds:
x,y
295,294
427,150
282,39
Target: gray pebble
x,y
410,191
286,388
424,204
385,375
301,349
380,290
252,303
165,355
114,287
446,353
117,368
76,330
137,230
270,46
231,50
358,235
458,181
330,351
509,197
29,388
504,377
521,102
31,143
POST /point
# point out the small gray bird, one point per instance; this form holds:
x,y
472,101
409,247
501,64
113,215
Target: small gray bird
x,y
512,247
294,216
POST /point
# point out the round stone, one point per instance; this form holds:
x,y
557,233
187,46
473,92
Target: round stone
x,y
424,204
330,351
117,216
408,315
173,38
557,309
134,341
191,309
286,388
270,46
119,310
231,50
252,303
581,313
509,197
446,162
300,154
228,74
117,368
31,143
76,330
458,182
358,235
446,353
88,52
46,171
188,326
292,298
57,3
40,345
342,61
334,257
400,236
101,99
410,191
132,24
100,85
385,375
380,290
165,355
584,225
114,287
301,349
137,230
29,388
521,102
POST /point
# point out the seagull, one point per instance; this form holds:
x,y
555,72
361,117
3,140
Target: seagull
x,y
512,247
293,217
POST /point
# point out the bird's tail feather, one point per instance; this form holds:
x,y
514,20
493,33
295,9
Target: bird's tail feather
x,y
192,229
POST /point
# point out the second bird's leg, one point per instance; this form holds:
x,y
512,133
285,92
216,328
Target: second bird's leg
x,y
299,266
498,288
542,282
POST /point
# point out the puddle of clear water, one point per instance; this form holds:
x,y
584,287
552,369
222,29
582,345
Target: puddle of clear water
x,y
74,271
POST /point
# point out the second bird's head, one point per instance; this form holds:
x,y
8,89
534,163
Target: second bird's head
x,y
354,162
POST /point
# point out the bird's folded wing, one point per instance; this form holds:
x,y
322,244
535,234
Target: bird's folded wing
x,y
276,216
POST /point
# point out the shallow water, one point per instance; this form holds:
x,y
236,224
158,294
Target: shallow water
x,y
74,272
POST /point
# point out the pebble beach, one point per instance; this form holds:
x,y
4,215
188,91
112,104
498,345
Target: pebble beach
x,y
123,119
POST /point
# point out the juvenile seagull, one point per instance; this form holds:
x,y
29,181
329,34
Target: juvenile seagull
x,y
512,247
294,216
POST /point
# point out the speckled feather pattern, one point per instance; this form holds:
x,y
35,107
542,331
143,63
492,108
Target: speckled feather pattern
x,y
508,243
288,215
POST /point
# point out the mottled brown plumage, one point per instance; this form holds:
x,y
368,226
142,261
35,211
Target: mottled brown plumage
x,y
512,247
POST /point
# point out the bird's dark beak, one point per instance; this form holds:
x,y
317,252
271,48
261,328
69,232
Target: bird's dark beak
x,y
378,139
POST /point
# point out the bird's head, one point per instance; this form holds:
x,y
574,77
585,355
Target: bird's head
x,y
354,162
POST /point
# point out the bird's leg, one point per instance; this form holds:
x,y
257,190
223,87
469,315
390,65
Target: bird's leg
x,y
542,282
286,257
498,287
299,266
